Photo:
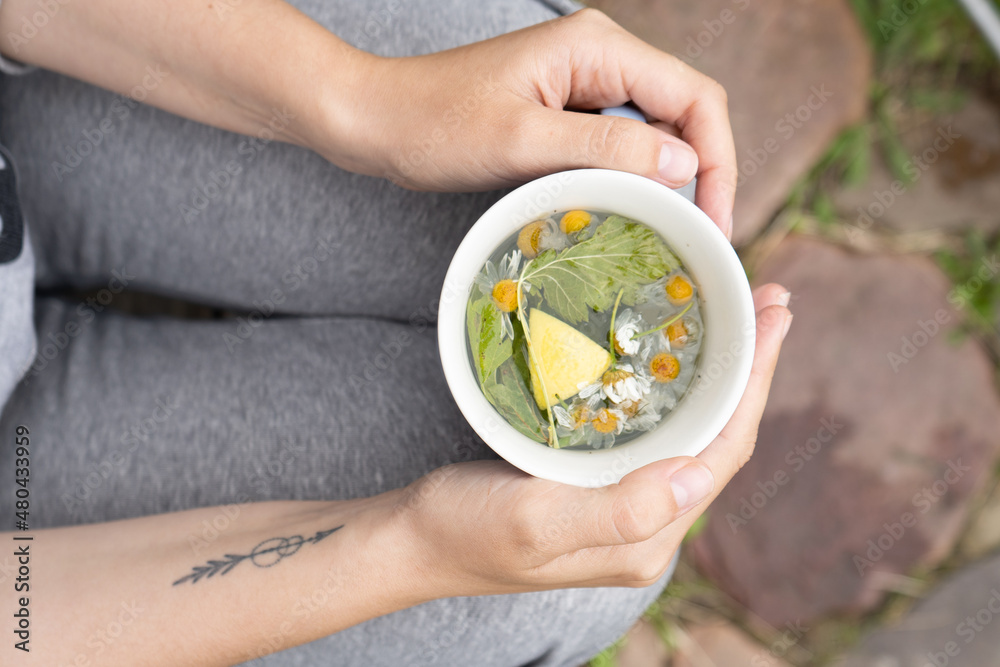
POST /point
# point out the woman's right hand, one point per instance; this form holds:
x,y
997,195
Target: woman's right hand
x,y
485,527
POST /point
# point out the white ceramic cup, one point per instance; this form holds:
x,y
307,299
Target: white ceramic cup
x,y
727,311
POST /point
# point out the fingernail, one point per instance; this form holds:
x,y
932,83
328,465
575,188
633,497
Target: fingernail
x,y
788,325
691,484
784,299
677,164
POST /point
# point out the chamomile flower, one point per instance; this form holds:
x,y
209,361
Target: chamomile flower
x,y
574,221
619,383
674,289
607,424
662,399
541,235
671,370
640,416
664,367
627,324
684,332
501,285
571,423
679,289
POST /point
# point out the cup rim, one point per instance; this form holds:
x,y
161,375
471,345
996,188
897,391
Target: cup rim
x,y
728,313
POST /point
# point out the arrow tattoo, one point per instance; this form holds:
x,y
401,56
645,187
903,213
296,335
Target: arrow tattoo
x,y
268,553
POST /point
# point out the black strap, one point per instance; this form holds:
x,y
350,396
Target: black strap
x,y
12,233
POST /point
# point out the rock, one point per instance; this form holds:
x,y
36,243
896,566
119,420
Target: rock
x,y
956,161
643,648
721,644
983,534
876,434
775,58
957,625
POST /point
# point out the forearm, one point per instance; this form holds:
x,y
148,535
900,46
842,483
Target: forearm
x,y
228,64
213,586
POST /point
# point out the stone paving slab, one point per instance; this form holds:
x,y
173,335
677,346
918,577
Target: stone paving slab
x,y
724,645
982,536
797,72
955,160
958,625
643,648
877,433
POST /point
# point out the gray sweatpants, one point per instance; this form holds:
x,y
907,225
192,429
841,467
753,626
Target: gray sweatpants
x,y
328,387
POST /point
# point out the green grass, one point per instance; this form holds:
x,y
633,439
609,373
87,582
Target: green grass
x,y
974,273
926,63
609,656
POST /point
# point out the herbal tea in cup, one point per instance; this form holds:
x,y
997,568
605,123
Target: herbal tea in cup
x,y
584,329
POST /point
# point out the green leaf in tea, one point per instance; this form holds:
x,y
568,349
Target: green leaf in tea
x,y
579,271
489,347
512,400
621,256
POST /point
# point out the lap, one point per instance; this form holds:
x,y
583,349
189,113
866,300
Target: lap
x,y
136,416
560,628
215,217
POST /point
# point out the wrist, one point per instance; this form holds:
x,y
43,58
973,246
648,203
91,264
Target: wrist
x,y
392,557
342,104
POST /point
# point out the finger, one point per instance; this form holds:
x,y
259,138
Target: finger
x,y
769,295
611,142
665,89
732,449
640,506
637,564
698,107
666,128
649,499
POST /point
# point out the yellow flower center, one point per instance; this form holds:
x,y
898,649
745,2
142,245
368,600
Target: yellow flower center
x,y
665,367
529,239
613,376
677,334
605,421
679,290
574,221
631,409
579,415
505,295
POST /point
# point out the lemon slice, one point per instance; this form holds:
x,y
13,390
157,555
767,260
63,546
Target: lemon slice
x,y
567,359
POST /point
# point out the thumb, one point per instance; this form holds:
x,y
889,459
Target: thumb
x,y
612,142
646,501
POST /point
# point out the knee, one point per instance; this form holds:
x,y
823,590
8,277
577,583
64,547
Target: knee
x,y
569,627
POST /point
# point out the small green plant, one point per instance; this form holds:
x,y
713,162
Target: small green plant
x,y
975,273
655,616
927,56
609,656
